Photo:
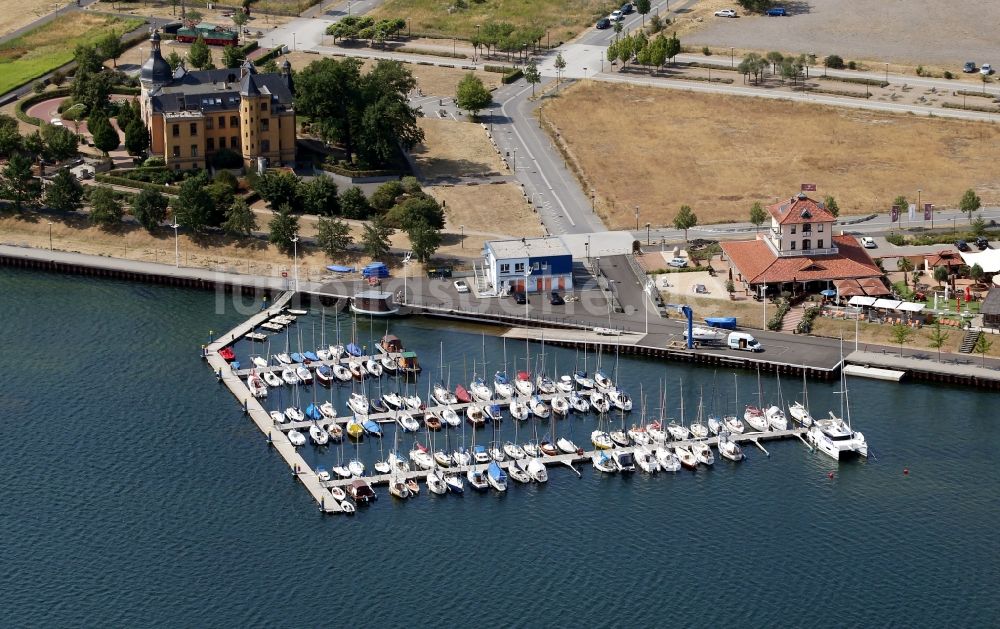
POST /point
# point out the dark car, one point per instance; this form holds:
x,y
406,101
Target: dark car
x,y
777,12
961,245
556,299
982,243
441,271
603,23
627,8
969,67
519,297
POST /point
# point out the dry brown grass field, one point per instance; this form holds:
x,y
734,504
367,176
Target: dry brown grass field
x,y
719,154
455,149
498,209
16,15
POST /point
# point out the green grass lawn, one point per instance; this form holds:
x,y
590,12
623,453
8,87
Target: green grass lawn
x,y
563,18
49,46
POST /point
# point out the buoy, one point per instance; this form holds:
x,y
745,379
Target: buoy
x,y
906,471
829,475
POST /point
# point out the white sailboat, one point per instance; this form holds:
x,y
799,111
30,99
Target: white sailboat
x,y
728,448
835,437
800,410
667,459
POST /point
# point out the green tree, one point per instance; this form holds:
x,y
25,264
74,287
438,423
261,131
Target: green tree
x,y
901,202
10,136
835,62
194,207
199,56
560,65
65,193
271,67
60,142
174,60
905,266
979,226
106,138
673,47
831,205
149,208
280,188
938,337
685,219
239,19
240,219
110,46
233,56
970,203
424,240
643,7
333,237
757,214
93,91
88,60
533,76
384,197
940,274
136,138
353,203
319,196
983,345
471,95
284,226
976,273
901,334
105,208
375,238
420,208
775,58
17,185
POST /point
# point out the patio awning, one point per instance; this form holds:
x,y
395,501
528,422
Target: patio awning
x,y
858,300
874,286
909,306
848,288
889,304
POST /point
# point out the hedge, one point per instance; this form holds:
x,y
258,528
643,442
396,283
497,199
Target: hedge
x,y
131,183
246,49
34,99
273,53
498,69
774,323
806,324
855,79
346,172
991,110
510,77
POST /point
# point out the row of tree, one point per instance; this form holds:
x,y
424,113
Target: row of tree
x,y
366,27
788,66
646,52
505,37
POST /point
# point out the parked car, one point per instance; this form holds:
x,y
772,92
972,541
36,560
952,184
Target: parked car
x,y
678,263
982,243
777,12
616,16
556,299
627,8
726,13
987,69
603,23
961,245
970,66
441,271
461,286
744,341
868,242
519,297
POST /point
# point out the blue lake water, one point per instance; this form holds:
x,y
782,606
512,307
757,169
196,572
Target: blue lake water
x,y
136,493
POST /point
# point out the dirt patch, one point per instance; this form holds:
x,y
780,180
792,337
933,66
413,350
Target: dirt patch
x,y
454,149
498,210
719,154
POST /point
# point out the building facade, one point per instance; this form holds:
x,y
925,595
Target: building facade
x,y
801,226
193,116
528,265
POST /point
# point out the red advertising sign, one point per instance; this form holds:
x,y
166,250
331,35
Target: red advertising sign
x,y
894,215
928,210
808,187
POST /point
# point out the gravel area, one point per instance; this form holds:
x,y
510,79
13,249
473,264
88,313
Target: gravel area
x,y
912,31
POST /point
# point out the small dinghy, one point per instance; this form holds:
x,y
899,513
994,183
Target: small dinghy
x,y
347,507
296,438
227,354
338,493
413,486
278,417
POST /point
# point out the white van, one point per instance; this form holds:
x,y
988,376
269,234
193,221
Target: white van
x,y
742,340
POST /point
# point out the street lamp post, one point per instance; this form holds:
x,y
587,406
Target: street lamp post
x,y
294,44
491,122
732,57
462,227
647,234
611,296
887,73
637,218
50,235
295,260
593,202
515,160
177,246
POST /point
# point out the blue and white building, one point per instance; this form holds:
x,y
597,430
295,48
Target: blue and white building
x,y
528,264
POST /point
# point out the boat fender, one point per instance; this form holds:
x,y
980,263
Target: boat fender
x,y
906,471
829,475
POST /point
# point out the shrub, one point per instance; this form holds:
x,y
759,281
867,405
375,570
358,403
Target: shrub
x,y
920,70
806,324
896,239
835,62
851,65
154,162
705,50
774,323
948,75
510,77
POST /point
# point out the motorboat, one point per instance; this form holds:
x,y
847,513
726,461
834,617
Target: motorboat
x,y
519,410
619,399
407,422
639,435
565,384
480,454
272,379
341,373
755,417
358,403
560,406
502,385
497,453
477,480
480,391
545,385
294,414
283,358
474,413
336,432
357,369
361,491
624,460
603,462
455,483
701,334
600,402
519,473
450,417
303,374
298,358
461,457
548,448
413,402
319,436
371,427
835,438
733,424
496,477
347,507
601,440
578,403
288,375
566,446
667,459
462,395
646,461
413,486
324,375
421,457
356,467
382,467
310,357
442,395
602,381
227,354
619,437
776,418
297,312
322,474
656,432
278,417
354,429
392,399
313,412
801,414
686,457
256,385
523,384
398,489
729,449
703,453
378,406
259,361
538,407
443,459
493,412
583,380
296,438
537,470
513,450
